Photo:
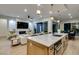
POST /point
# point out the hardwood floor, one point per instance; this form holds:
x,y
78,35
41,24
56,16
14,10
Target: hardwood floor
x,y
6,49
73,47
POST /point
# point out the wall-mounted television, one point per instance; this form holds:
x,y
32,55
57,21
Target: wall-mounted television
x,y
22,25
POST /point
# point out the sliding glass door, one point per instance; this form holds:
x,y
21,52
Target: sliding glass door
x,y
54,27
39,27
67,27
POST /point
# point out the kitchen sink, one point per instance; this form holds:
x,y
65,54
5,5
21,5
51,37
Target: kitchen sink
x,y
57,35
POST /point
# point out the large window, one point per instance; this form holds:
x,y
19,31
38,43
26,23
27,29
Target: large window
x,y
71,26
42,27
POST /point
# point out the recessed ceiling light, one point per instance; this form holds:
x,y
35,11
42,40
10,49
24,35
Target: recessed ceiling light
x,y
25,10
58,21
38,4
38,11
17,16
51,17
50,12
69,14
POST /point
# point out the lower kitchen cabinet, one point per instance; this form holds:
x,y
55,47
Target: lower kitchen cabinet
x,y
58,48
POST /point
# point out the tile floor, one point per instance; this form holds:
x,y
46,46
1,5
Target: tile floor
x,y
6,49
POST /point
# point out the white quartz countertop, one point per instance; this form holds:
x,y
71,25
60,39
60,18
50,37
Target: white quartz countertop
x,y
47,39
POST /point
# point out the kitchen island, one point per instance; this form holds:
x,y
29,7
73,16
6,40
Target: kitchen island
x,y
47,44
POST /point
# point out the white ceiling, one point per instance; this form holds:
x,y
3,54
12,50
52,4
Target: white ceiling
x,y
60,11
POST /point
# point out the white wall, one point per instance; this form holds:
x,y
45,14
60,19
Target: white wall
x,y
31,26
12,24
62,26
49,26
3,27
